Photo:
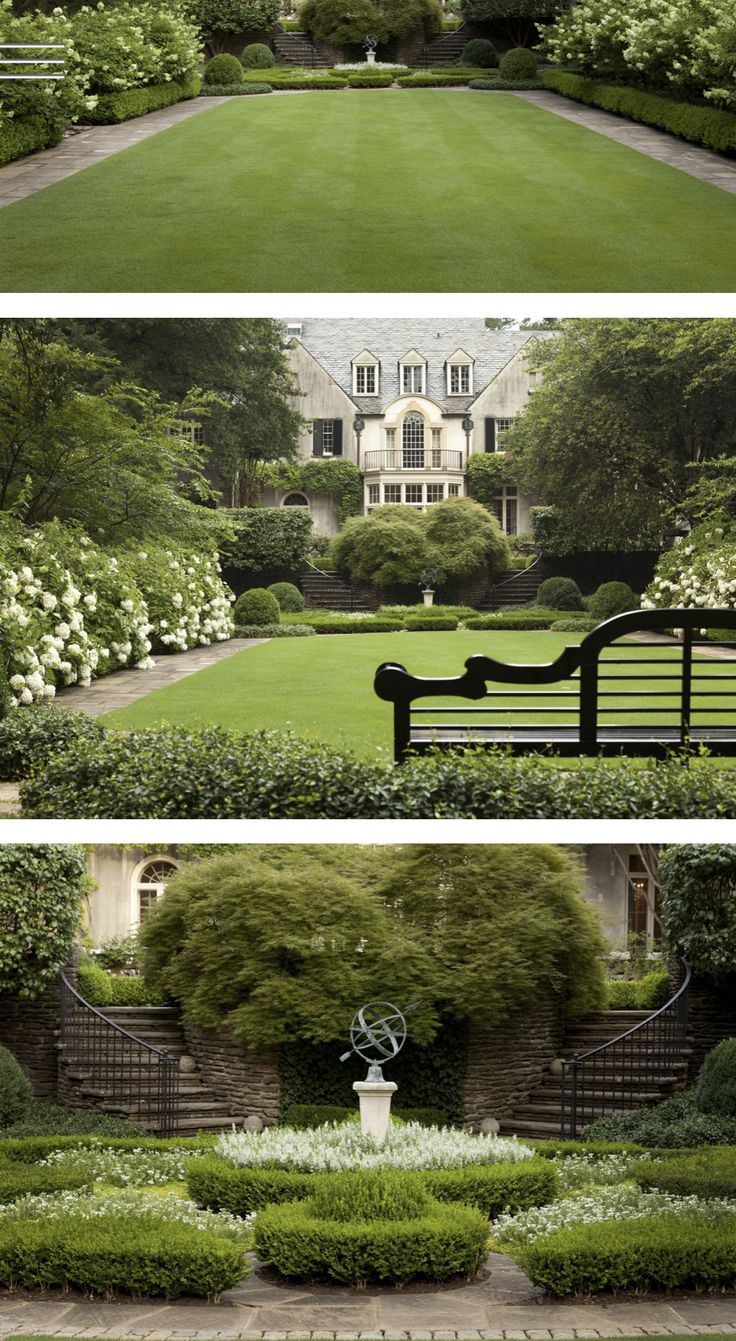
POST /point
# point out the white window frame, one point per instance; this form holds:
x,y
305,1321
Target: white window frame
x,y
365,369
374,495
453,491
411,374
137,885
439,489
394,487
328,432
464,373
416,486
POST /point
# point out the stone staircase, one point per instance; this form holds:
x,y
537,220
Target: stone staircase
x,y
650,1075
160,1026
448,47
513,589
297,49
329,591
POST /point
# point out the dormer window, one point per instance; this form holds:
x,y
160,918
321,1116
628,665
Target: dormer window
x,y
366,374
460,374
412,379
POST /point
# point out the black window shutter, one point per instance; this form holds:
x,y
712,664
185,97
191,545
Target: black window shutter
x,y
490,443
337,437
317,438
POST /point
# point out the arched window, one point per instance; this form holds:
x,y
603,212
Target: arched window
x,y
412,442
295,501
149,883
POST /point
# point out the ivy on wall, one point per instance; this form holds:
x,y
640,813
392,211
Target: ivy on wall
x,y
41,891
341,478
487,474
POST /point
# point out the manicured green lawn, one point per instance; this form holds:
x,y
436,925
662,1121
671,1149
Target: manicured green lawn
x,y
428,189
323,686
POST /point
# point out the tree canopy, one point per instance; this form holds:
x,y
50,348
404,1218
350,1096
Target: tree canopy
x,y
698,883
349,22
395,544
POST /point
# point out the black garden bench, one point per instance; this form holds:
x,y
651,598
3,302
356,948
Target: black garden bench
x,y
685,694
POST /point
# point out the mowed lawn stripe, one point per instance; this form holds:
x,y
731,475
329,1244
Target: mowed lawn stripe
x,y
385,190
323,686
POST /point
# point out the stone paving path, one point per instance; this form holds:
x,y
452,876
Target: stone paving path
x,y
504,1306
125,686
690,158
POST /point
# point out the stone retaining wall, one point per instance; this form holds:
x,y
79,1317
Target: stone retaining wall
x,y
248,1081
712,1018
506,1062
30,1030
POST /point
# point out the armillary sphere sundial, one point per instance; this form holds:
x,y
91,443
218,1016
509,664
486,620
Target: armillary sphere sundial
x,y
377,1034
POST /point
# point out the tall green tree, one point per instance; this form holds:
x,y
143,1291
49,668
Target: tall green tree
x,y
221,20
624,408
516,19
349,23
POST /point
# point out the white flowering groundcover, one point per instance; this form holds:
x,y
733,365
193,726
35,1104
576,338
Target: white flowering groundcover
x,y
70,610
129,1203
622,1202
333,1148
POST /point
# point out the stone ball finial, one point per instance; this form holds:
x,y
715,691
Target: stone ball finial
x,y
187,1065
556,1066
490,1126
253,1122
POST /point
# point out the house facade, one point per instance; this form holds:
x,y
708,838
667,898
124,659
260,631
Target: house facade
x,y
408,402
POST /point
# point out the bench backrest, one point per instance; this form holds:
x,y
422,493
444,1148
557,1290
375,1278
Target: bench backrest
x,y
699,691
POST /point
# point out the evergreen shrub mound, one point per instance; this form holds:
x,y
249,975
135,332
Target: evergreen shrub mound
x,y
258,606
645,993
426,623
518,63
243,90
667,1253
479,51
273,631
375,1194
560,593
315,1115
612,598
289,597
257,56
114,1253
675,1124
39,733
510,621
115,989
705,1173
46,1118
575,624
223,69
358,626
712,126
15,1090
24,1180
111,108
715,1091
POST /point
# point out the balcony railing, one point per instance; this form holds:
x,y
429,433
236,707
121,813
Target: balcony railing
x,y
378,460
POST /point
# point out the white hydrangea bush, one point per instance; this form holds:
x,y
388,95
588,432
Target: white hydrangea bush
x,y
335,1147
700,571
188,603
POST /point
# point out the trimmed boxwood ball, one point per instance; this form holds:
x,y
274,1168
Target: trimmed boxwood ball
x,y
612,598
258,607
289,597
575,624
223,69
479,52
518,63
15,1090
715,1091
257,56
560,593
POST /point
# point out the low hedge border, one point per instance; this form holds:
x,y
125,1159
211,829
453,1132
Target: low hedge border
x,y
115,107
234,90
28,134
30,1149
706,1173
359,626
315,1115
520,621
370,81
22,1180
41,731
505,86
709,126
491,1188
425,623
273,631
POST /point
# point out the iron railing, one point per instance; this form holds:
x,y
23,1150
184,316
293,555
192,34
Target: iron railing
x,y
129,1075
516,578
34,67
335,577
628,1071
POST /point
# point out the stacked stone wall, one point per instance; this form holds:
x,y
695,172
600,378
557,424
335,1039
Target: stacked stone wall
x,y
506,1062
247,1081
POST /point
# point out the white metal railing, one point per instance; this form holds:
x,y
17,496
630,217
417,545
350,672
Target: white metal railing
x,y
396,458
40,64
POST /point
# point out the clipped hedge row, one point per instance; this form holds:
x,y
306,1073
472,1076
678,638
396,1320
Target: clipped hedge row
x,y
358,626
504,86
425,623
23,1180
30,1149
669,1253
643,994
370,81
101,988
273,631
703,1173
210,773
511,621
234,90
28,134
112,1253
40,732
315,1115
114,107
709,126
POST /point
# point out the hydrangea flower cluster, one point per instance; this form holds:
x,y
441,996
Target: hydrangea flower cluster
x,y
164,1208
332,1148
700,571
70,610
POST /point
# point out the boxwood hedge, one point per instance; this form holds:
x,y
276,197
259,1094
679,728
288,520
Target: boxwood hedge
x,y
114,107
38,733
21,1180
700,124
707,1173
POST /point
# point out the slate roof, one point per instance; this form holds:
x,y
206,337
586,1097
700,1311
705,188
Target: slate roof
x,y
333,342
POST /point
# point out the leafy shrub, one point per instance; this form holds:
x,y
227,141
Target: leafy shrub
x,y
24,1180
297,81
40,733
560,593
444,1241
42,886
274,630
612,598
496,1188
289,597
698,906
518,63
257,606
330,21
449,80
710,126
426,622
358,626
370,81
382,1194
235,90
706,1173
111,108
257,56
45,1118
479,51
670,1252
645,993
221,1186
15,1091
715,1091
315,1115
266,538
502,85
223,69
115,989
134,45
112,1253
575,624
26,134
520,621
32,1148
675,1124
235,17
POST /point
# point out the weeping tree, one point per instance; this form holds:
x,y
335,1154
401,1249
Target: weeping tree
x,y
345,23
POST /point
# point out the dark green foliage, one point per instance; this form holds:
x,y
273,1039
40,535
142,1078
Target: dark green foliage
x,y
551,1149
518,63
218,17
220,1186
41,888
710,126
115,107
510,621
87,1130
699,905
612,598
575,624
370,81
370,1194
223,69
115,989
37,734
496,1188
15,1091
444,1241
266,539
45,1118
257,606
667,1253
674,1124
449,80
479,51
234,90
705,1173
29,133
645,993
273,631
315,1115
425,622
503,85
331,21
715,1091
289,597
209,773
112,1253
24,1180
560,593
257,56
377,625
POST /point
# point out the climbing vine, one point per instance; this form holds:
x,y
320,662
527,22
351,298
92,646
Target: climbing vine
x,y
341,478
488,472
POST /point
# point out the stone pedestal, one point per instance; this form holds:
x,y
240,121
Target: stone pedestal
x,y
370,57
428,597
375,1107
